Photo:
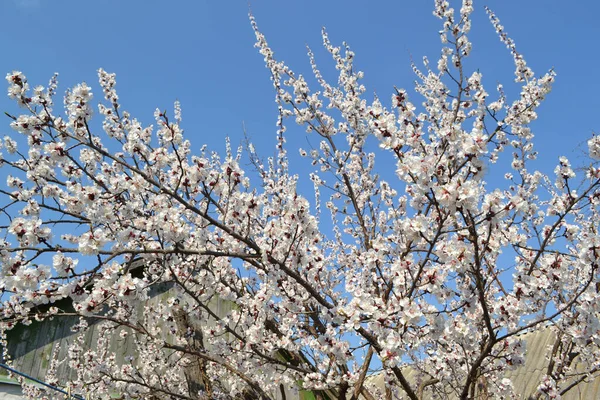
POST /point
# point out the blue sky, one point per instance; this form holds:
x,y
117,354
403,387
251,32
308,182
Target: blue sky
x,y
201,52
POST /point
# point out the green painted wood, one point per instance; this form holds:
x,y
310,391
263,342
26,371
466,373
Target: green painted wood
x,y
43,353
22,333
61,343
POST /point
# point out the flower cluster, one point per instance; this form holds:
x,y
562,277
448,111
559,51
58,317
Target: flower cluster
x,y
225,288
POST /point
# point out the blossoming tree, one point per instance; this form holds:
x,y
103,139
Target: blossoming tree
x,y
395,276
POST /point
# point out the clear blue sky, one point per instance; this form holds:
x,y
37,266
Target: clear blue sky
x,y
201,52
